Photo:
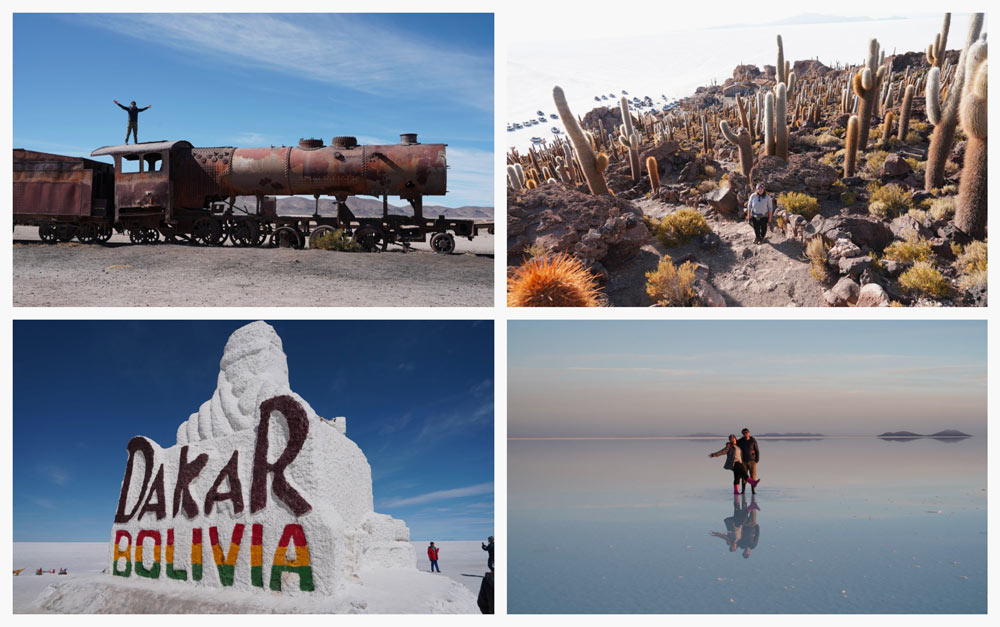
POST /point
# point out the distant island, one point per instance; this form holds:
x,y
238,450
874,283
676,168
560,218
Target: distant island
x,y
909,435
761,435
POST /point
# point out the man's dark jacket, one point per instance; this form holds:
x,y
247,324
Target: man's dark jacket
x,y
749,449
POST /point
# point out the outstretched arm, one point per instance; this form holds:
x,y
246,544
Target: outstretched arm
x,y
121,105
719,452
146,107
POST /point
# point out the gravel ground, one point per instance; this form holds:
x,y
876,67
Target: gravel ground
x,y
121,274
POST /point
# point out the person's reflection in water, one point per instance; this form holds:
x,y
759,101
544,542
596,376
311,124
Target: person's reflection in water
x,y
742,529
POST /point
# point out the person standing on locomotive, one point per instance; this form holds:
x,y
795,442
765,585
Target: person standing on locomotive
x,y
133,119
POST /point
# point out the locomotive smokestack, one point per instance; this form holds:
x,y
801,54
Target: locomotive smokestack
x,y
408,139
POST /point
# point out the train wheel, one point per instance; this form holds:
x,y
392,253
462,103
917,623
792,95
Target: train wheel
x,y
370,238
65,232
264,231
208,232
150,236
135,235
242,232
318,232
287,237
104,233
47,233
88,232
443,243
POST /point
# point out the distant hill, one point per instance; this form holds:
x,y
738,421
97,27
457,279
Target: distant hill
x,y
364,208
790,435
899,434
950,433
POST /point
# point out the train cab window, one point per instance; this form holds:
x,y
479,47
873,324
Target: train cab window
x,y
131,164
154,162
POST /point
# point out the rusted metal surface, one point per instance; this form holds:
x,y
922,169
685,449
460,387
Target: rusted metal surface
x,y
50,187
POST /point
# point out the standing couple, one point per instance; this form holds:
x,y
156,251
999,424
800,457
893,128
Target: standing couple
x,y
742,456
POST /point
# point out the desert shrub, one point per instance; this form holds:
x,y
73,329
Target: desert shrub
x,y
888,201
942,208
950,168
680,226
972,258
920,215
671,286
915,163
797,202
706,186
913,137
832,158
848,198
816,253
828,141
976,281
924,279
535,250
908,251
553,281
710,171
919,126
949,190
874,162
336,240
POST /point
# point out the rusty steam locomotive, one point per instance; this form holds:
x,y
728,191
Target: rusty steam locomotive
x,y
183,193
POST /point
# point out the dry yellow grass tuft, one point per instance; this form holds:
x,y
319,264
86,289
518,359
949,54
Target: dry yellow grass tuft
x,y
680,226
926,280
671,286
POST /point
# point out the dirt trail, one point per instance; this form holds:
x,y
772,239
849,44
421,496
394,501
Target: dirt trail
x,y
773,274
126,275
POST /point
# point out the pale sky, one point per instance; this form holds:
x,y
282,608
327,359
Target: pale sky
x,y
599,378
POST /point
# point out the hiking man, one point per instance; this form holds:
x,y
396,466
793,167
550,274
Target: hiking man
x,y
489,549
432,554
751,455
760,212
133,119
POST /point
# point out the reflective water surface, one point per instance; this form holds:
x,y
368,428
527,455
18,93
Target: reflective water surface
x,y
837,525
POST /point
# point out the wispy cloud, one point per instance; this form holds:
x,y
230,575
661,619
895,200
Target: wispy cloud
x,y
55,474
440,495
340,49
470,173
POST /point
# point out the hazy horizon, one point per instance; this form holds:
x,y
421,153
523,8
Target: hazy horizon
x,y
675,378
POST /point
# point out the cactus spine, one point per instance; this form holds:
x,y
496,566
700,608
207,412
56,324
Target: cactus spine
x,y
780,123
851,147
654,173
970,207
904,113
741,139
945,118
585,154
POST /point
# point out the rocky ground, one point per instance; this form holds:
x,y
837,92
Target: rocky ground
x,y
121,274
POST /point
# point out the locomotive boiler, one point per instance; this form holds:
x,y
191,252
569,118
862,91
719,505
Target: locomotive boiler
x,y
179,191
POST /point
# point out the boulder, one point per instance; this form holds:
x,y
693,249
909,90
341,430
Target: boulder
x,y
895,166
907,227
707,295
809,67
843,249
853,266
844,293
563,220
872,295
723,200
862,230
746,73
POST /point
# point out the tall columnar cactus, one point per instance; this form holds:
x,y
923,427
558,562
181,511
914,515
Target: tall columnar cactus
x,y
904,113
945,118
562,171
936,50
769,144
741,139
631,145
514,180
654,173
970,208
780,123
585,154
627,118
779,69
886,130
851,147
866,87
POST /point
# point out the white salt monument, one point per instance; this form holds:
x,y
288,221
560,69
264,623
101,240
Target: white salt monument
x,y
260,506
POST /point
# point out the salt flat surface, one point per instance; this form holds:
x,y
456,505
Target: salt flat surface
x,y
840,526
462,561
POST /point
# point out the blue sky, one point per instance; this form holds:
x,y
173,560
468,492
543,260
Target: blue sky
x,y
417,395
598,378
261,79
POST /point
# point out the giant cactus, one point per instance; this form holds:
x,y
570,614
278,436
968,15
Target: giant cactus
x,y
769,124
904,113
654,173
945,118
741,139
936,50
780,71
585,154
970,208
851,146
780,123
866,87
